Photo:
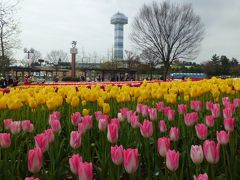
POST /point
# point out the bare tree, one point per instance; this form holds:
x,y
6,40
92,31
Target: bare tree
x,y
8,31
34,56
168,31
57,55
133,60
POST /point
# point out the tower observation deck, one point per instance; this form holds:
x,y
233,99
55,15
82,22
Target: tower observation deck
x,y
119,20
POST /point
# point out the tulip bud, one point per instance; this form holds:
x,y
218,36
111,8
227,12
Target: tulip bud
x,y
74,162
76,118
229,124
130,160
75,139
112,133
5,140
201,131
163,145
174,134
117,154
196,154
222,137
41,141
146,129
35,160
172,160
211,151
85,171
209,120
162,126
56,126
201,177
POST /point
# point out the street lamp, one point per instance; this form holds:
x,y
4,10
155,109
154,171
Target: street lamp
x,y
28,52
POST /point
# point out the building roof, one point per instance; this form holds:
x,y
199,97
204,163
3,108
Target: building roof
x,y
119,18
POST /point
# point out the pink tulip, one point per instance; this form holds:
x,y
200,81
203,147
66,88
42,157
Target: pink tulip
x,y
163,145
225,101
87,121
75,139
82,128
15,127
190,118
49,135
165,110
182,108
76,118
174,134
211,151
215,110
31,178
227,113
201,131
35,160
85,171
222,137
124,111
116,121
144,110
74,162
56,126
160,106
196,154
130,160
146,129
209,121
229,124
41,141
129,114
209,105
152,113
54,116
120,117
7,123
196,105
98,115
27,126
102,124
162,126
201,177
117,154
236,102
134,121
172,160
171,114
5,140
112,133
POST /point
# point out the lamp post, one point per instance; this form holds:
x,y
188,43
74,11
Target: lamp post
x,y
73,51
28,52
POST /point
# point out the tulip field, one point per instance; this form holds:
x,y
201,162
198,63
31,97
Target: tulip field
x,y
161,130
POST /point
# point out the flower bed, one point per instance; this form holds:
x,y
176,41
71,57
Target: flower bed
x,y
172,130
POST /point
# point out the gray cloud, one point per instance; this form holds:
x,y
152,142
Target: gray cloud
x,y
53,24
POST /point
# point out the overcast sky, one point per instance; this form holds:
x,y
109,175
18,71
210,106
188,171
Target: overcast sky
x,y
53,24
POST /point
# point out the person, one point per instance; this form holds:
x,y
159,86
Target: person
x,y
3,83
10,80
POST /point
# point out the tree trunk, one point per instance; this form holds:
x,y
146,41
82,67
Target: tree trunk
x,y
165,72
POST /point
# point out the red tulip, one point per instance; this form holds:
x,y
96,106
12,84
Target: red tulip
x,y
152,113
7,123
85,171
41,141
211,151
74,162
56,126
163,145
162,126
201,177
130,160
222,137
35,160
172,160
182,108
196,154
201,131
229,124
112,133
209,121
190,118
76,118
75,139
5,140
174,134
117,154
146,129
